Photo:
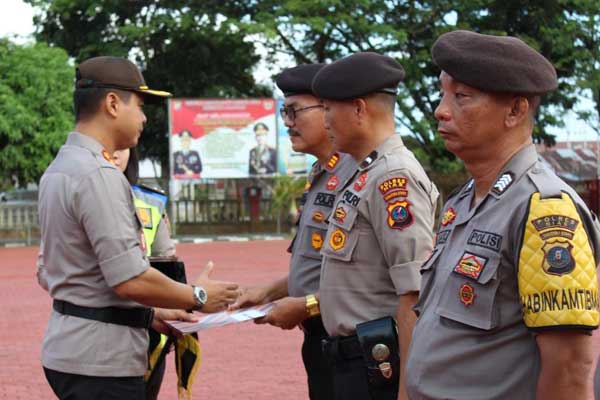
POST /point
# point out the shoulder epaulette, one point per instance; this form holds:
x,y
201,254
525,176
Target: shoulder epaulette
x,y
154,189
459,188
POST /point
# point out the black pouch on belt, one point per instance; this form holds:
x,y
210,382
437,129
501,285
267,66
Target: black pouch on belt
x,y
379,342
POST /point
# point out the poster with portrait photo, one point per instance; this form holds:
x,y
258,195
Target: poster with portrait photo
x,y
231,138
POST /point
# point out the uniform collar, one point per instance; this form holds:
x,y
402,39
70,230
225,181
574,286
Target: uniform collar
x,y
87,142
513,170
389,145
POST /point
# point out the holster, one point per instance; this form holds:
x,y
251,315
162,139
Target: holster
x,y
379,342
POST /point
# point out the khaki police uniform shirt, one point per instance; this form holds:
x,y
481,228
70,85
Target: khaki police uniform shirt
x,y
318,199
516,263
91,243
379,234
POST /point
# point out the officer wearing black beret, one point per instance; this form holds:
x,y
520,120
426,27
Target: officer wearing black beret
x,y
297,294
380,230
509,295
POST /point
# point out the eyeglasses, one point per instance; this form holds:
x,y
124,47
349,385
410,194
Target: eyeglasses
x,y
290,114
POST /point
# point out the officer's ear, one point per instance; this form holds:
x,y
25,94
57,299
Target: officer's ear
x,y
111,104
359,109
518,112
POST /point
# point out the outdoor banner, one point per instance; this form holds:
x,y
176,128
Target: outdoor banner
x,y
290,162
222,138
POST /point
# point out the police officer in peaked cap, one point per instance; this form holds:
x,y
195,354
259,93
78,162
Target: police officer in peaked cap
x,y
93,260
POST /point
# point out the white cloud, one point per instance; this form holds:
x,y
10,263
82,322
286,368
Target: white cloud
x,y
16,20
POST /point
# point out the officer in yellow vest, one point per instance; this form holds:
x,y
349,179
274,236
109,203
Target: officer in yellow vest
x,y
150,204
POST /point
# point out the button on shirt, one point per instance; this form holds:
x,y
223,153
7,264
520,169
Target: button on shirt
x,y
380,232
91,243
490,283
323,185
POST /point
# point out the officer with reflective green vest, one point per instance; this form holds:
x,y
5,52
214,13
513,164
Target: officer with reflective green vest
x,y
150,204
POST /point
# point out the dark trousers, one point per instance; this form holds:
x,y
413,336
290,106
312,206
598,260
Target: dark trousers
x,y
318,370
80,387
350,375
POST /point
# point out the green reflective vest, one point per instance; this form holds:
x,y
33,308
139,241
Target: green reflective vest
x,y
150,205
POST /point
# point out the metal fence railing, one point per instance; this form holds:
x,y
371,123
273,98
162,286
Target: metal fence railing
x,y
19,220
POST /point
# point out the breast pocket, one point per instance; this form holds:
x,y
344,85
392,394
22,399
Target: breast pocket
x,y
469,296
427,275
312,239
342,235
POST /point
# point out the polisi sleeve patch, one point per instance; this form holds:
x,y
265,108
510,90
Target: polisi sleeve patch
x,y
557,272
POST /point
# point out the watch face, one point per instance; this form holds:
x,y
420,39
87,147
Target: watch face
x,y
202,295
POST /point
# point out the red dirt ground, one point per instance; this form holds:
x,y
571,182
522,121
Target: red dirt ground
x,y
245,361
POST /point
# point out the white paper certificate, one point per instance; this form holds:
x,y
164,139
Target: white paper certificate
x,y
221,319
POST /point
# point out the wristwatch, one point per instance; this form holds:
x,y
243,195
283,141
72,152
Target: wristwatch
x,y
200,297
312,306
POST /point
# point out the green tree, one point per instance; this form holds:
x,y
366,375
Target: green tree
x,y
35,109
326,30
185,47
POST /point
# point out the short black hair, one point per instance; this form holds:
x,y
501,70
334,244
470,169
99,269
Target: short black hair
x,y
261,124
86,101
132,171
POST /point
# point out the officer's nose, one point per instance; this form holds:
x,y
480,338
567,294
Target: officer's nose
x,y
442,112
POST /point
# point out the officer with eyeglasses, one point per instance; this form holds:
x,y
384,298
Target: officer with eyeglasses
x,y
297,294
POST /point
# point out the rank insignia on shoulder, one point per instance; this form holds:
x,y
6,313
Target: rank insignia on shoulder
x,y
449,217
393,188
107,157
333,161
340,214
558,259
503,183
399,215
316,240
318,216
471,265
337,240
466,294
361,182
332,182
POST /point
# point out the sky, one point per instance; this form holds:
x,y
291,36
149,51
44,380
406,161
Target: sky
x,y
16,22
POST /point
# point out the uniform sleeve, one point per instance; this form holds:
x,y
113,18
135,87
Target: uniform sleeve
x,y
41,271
557,280
104,207
163,245
402,214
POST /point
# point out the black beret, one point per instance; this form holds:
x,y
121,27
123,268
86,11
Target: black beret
x,y
494,63
358,75
298,80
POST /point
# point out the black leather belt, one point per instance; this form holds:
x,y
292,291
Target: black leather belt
x,y
313,326
342,347
138,317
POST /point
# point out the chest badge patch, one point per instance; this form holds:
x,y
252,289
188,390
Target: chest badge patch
x,y
471,265
361,182
466,294
558,259
332,182
449,217
337,240
316,241
145,217
318,216
340,214
399,215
